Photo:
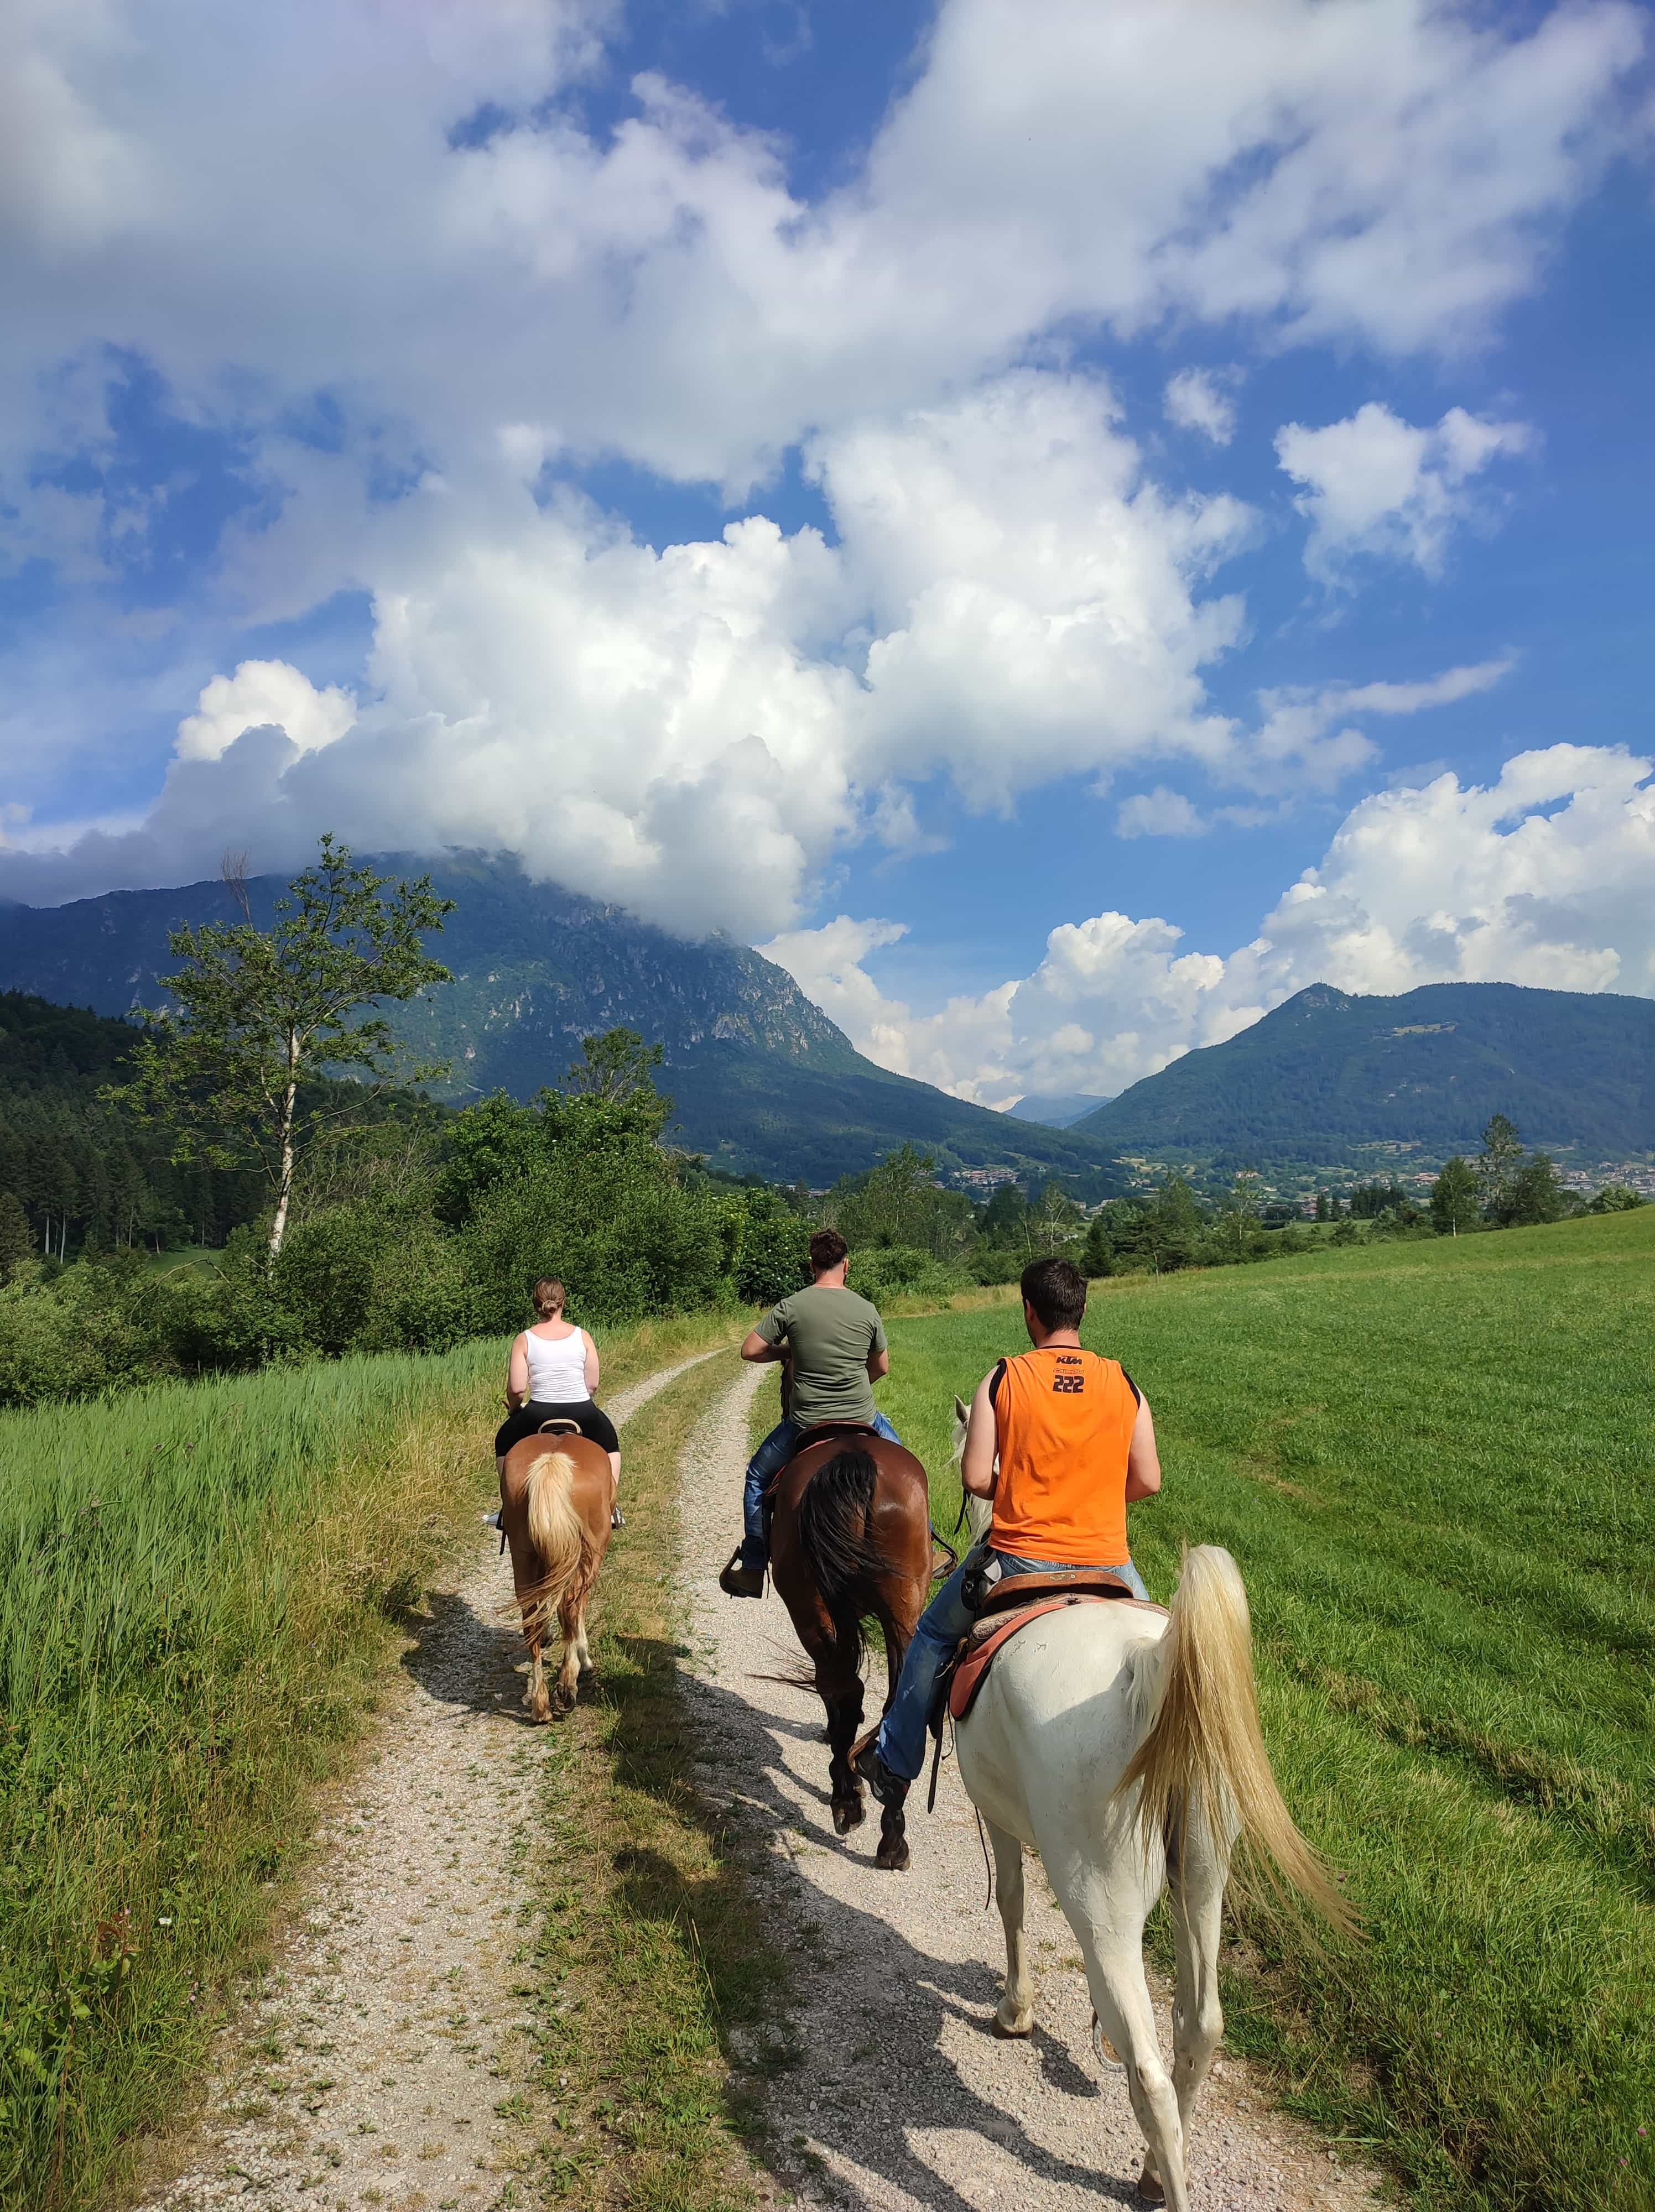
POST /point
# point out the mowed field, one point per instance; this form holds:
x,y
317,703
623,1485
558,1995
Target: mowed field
x,y
1435,1464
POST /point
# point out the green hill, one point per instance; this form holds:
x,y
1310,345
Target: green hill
x,y
1330,1071
764,1082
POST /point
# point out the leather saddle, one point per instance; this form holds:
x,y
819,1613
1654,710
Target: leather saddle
x,y
1013,1603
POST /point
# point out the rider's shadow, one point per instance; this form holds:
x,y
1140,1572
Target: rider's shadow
x,y
895,2004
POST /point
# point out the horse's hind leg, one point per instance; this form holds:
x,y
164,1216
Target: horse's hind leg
x,y
893,1853
844,1721
1197,1869
1120,1998
569,1620
1014,2014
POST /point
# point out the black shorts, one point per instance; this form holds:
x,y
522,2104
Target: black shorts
x,y
587,1418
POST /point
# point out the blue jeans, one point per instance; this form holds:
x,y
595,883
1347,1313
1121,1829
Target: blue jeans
x,y
945,1621
766,1463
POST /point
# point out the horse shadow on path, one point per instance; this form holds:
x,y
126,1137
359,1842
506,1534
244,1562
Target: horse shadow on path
x,y
863,2073
462,1658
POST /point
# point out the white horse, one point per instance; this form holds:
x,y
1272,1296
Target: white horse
x,y
1124,1747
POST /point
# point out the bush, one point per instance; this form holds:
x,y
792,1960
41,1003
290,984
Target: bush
x,y
894,1271
772,1250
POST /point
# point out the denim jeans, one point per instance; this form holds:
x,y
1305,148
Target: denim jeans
x,y
945,1621
766,1463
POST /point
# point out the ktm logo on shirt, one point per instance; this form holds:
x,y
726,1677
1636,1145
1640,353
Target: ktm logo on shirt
x,y
1069,1360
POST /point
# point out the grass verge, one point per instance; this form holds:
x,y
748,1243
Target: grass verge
x,y
658,1979
201,1587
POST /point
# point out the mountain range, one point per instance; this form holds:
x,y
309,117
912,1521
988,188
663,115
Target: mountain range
x,y
763,1081
1329,1071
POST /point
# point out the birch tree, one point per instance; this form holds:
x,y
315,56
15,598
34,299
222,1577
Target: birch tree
x,y
254,1015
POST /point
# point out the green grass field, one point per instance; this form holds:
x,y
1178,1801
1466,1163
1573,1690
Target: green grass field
x,y
201,1587
1435,1464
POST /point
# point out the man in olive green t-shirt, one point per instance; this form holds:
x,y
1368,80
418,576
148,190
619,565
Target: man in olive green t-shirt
x,y
834,1344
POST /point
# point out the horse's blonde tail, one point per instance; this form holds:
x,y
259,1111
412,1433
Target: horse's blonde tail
x,y
555,1530
1203,1741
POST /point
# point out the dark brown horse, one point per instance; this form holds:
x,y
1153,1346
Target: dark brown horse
x,y
850,1541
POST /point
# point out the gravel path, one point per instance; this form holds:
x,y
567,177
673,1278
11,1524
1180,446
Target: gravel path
x,y
902,2098
370,2064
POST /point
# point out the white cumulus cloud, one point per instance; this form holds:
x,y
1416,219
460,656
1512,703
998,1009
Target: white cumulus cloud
x,y
1198,399
264,691
1376,485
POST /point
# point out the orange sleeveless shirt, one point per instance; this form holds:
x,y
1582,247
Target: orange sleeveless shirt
x,y
1064,1419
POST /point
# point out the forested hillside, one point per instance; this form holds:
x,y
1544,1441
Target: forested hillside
x,y
79,1170
1329,1070
764,1082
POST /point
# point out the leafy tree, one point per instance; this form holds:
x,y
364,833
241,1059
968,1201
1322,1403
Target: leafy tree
x,y
1321,1206
1454,1197
1005,1220
1537,1195
1497,1166
1241,1214
618,1068
1056,1224
256,1013
1615,1198
1098,1253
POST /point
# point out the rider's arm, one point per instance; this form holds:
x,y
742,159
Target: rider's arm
x,y
878,1364
517,1375
760,1351
593,1369
976,1465
1143,1461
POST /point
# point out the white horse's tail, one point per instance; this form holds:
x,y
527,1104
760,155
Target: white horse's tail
x,y
1204,1742
555,1530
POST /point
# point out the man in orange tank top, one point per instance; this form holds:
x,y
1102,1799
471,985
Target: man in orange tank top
x,y
1062,1440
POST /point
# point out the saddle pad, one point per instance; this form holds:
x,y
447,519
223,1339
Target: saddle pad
x,y
971,1668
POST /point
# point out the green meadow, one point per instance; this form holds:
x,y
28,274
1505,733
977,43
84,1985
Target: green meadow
x,y
202,1588
1435,1464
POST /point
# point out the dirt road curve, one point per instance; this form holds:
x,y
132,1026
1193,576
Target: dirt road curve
x,y
902,2097
370,2070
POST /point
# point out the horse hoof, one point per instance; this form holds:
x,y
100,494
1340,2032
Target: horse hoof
x,y
1019,2024
1150,2189
1101,2044
849,1813
892,1856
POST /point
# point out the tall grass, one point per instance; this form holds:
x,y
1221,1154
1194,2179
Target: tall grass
x,y
1433,1464
200,1588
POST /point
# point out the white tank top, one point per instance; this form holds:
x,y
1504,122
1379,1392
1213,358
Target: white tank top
x,y
556,1368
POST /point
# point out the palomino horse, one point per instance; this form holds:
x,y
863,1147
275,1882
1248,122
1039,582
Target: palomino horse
x,y
554,1507
851,1540
1124,1745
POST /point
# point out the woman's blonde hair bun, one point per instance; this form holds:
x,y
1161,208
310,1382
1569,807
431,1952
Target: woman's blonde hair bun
x,y
549,1296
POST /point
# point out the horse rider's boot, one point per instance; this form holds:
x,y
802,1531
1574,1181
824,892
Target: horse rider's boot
x,y
737,1581
867,1766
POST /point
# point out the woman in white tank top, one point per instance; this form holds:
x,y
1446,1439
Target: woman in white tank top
x,y
552,1373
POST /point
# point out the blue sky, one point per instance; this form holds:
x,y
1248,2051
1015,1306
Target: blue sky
x,y
1065,525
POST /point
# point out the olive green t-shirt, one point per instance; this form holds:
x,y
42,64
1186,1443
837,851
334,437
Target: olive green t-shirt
x,y
831,1334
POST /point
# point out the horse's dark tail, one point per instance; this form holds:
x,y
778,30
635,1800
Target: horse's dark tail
x,y
833,1530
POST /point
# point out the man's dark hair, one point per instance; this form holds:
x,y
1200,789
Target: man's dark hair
x,y
1057,1291
827,1248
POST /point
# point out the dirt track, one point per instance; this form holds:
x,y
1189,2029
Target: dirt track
x,y
902,2098
368,2068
